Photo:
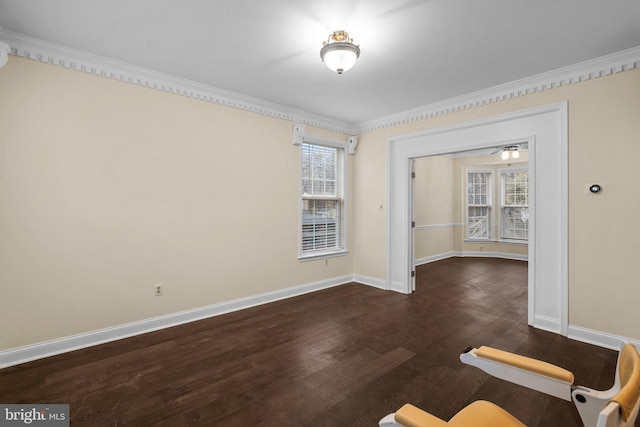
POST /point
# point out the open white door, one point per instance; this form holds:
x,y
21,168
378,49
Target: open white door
x,y
412,224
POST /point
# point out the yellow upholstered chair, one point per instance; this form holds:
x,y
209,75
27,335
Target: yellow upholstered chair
x,y
478,414
616,407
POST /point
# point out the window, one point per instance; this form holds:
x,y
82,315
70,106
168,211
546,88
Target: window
x,y
479,205
322,213
514,205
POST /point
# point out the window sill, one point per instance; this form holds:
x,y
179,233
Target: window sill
x,y
322,255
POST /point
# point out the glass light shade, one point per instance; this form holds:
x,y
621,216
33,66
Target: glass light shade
x,y
505,155
339,57
515,154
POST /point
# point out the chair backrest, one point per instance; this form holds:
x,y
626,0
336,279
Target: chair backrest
x,y
628,398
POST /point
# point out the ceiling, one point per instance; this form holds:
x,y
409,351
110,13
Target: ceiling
x,y
413,52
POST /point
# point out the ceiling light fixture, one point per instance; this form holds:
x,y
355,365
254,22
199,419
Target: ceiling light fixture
x,y
339,54
512,151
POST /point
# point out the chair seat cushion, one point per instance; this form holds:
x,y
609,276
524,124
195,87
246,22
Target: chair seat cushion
x,y
410,416
478,414
484,414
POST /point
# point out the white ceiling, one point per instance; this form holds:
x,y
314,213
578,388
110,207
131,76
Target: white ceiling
x,y
413,52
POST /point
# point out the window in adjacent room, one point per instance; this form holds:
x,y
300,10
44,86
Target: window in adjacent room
x,y
322,200
514,209
479,183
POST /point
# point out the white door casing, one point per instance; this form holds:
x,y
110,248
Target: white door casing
x,y
545,129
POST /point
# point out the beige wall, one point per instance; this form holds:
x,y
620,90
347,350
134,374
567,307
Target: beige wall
x,y
107,189
603,230
434,201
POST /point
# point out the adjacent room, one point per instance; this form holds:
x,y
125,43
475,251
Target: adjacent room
x,y
473,203
314,213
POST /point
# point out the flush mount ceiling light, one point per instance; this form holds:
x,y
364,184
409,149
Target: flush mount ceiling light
x,y
339,54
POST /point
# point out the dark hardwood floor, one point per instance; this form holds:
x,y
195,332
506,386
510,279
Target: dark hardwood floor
x,y
345,356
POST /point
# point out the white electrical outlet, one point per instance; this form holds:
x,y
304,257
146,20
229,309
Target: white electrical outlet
x,y
158,290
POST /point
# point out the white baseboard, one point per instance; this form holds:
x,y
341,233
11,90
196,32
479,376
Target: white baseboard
x,y
438,257
547,324
480,254
601,339
370,281
398,287
41,350
503,255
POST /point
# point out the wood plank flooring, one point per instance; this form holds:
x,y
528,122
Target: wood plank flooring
x,y
345,356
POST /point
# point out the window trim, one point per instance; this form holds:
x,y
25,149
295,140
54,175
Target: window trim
x,y
502,206
490,202
344,231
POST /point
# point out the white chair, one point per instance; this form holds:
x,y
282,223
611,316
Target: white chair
x,y
616,407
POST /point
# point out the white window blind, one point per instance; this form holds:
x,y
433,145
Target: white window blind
x,y
478,205
515,205
322,199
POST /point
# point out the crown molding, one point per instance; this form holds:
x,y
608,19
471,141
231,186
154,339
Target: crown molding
x,y
55,54
599,67
52,53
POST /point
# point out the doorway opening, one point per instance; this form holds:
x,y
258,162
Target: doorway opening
x,y
471,204
545,131
470,233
